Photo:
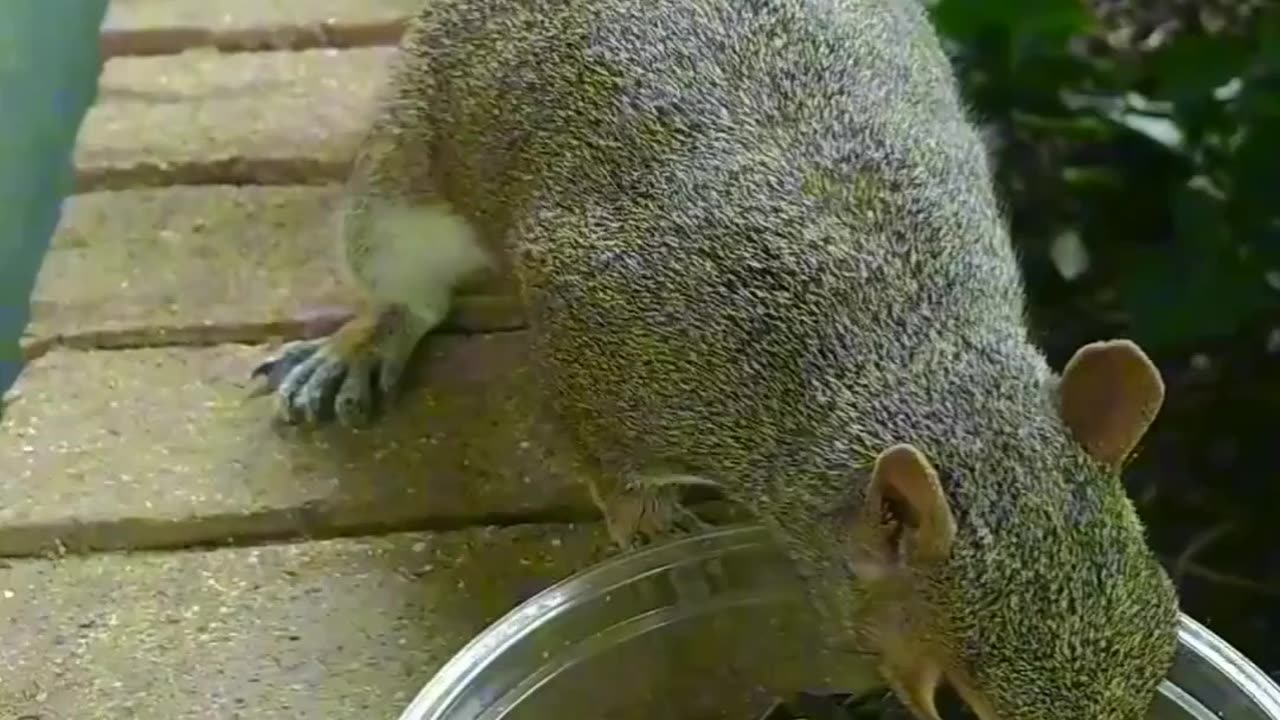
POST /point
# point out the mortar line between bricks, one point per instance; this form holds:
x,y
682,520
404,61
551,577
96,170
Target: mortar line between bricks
x,y
230,530
284,526
143,42
200,336
235,171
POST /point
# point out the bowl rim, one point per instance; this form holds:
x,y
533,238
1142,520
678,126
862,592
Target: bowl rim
x,y
1209,648
453,678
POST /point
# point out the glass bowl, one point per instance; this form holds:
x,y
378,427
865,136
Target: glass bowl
x,y
713,627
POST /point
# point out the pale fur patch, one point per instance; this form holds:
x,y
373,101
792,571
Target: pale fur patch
x,y
415,256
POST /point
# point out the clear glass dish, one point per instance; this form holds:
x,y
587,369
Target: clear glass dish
x,y
713,627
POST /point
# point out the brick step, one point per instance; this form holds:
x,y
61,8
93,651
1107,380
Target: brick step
x,y
203,265
204,117
159,448
343,630
157,27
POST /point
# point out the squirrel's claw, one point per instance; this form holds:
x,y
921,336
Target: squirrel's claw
x,y
314,384
303,378
638,514
308,391
276,368
344,375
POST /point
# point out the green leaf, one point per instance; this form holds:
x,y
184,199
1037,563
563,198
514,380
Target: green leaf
x,y
966,19
1197,287
1254,169
1070,127
1161,130
1092,177
1192,67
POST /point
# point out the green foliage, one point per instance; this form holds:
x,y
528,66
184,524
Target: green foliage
x,y
1161,167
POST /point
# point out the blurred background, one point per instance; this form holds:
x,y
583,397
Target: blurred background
x,y
1138,153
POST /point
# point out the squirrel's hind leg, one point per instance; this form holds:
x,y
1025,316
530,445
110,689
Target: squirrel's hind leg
x,y
347,374
407,260
645,509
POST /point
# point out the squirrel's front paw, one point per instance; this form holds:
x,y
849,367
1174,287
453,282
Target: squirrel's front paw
x,y
345,376
641,514
313,384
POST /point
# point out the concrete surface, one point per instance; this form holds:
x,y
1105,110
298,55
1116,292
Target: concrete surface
x,y
188,256
159,448
163,27
204,116
249,14
343,630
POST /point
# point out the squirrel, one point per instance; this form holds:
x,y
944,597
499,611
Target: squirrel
x,y
759,247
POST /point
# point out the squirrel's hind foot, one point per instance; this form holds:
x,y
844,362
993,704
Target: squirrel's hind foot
x,y
642,513
348,375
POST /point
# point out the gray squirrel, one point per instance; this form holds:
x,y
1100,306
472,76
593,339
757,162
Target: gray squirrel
x,y
758,247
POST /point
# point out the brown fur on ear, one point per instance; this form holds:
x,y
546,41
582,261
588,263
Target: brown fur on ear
x,y
1109,394
905,482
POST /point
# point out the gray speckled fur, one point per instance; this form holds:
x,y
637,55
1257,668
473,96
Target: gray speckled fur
x,y
758,243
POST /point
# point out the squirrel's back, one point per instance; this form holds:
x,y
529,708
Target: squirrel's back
x,y
759,244
648,163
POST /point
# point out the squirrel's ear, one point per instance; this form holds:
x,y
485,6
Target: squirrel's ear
x,y
905,487
1109,394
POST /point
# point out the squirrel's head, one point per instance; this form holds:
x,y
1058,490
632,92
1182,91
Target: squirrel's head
x,y
1034,598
